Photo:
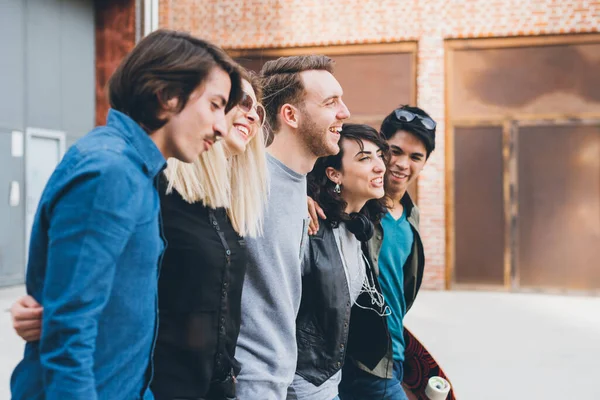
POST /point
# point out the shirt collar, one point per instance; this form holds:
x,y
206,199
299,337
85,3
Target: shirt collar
x,y
154,161
407,203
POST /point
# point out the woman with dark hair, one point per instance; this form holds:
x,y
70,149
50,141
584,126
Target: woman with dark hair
x,y
339,281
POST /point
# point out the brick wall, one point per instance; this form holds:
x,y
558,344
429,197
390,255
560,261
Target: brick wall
x,y
115,37
243,24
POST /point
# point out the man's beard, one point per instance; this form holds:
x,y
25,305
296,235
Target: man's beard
x,y
315,139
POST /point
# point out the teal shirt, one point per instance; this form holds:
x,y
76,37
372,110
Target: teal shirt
x,y
396,247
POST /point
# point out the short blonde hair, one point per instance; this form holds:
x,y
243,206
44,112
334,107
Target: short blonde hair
x,y
239,184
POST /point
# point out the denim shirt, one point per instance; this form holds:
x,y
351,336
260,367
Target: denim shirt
x,y
93,265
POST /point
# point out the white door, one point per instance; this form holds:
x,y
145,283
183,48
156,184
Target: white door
x,y
12,209
44,149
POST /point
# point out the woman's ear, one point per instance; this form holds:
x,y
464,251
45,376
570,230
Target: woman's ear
x,y
334,175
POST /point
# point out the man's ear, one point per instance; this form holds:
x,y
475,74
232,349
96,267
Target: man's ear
x,y
167,106
289,115
172,103
333,174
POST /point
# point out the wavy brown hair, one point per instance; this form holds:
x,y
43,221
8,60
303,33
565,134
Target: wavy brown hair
x,y
322,189
167,64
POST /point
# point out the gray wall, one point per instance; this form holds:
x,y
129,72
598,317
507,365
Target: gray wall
x,y
47,80
47,73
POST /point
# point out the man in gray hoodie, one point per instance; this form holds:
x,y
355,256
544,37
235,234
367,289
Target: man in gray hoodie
x,y
305,111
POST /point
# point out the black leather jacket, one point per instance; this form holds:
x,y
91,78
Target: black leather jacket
x,y
324,333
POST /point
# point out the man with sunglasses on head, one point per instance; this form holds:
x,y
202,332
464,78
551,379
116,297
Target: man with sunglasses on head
x,y
398,250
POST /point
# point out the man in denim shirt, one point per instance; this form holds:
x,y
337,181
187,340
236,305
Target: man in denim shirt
x,y
95,242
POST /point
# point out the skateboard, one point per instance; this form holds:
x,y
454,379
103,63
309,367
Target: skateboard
x,y
419,366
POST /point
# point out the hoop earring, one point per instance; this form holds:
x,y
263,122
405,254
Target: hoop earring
x,y
337,188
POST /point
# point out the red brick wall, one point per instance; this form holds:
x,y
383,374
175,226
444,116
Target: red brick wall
x,y
115,37
290,23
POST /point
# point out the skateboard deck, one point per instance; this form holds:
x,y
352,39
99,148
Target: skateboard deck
x,y
419,366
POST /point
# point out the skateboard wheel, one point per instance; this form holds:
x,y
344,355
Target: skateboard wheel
x,y
437,388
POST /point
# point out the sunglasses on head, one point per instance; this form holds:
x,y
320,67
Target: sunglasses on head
x,y
408,116
247,103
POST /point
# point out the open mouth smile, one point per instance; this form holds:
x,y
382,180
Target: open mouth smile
x,y
243,130
335,130
398,175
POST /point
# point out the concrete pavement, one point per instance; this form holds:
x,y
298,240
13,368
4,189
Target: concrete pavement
x,y
498,346
493,346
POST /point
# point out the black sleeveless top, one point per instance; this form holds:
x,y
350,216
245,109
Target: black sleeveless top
x,y
199,296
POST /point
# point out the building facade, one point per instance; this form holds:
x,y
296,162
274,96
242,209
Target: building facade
x,y
510,199
57,56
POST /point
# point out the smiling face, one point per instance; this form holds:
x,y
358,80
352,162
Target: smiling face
x,y
322,113
244,124
362,174
407,159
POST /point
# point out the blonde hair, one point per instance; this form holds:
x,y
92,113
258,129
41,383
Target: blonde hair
x,y
239,184
249,188
205,180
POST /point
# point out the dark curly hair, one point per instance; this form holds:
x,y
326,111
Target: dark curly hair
x,y
321,188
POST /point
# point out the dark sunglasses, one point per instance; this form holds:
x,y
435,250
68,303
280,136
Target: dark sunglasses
x,y
405,115
247,103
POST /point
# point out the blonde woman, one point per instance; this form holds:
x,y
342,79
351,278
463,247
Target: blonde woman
x,y
207,208
233,174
